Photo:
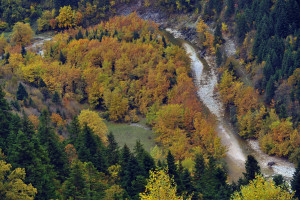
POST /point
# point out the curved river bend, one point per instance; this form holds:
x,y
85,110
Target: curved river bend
x,y
238,149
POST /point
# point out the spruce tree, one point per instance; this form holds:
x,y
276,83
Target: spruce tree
x,y
241,27
62,58
218,38
74,131
42,83
90,148
21,93
187,182
125,155
199,167
75,186
252,168
172,167
23,51
270,89
53,146
230,8
112,151
27,152
5,121
295,183
56,98
218,56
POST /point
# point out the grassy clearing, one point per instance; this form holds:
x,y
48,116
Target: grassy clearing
x,y
127,134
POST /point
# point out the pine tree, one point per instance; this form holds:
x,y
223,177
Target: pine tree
x,y
218,56
270,89
50,141
295,183
112,151
218,38
133,180
218,6
23,51
230,8
56,98
79,35
125,155
172,167
5,121
241,27
187,182
90,149
74,131
27,152
21,93
42,83
199,167
164,41
75,186
252,168
62,58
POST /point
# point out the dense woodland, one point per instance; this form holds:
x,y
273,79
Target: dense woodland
x,y
123,69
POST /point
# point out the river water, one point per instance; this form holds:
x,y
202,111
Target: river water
x,y
206,81
238,149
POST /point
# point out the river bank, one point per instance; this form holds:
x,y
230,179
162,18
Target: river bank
x,y
206,81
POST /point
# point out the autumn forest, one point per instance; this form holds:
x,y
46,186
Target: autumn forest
x,y
73,72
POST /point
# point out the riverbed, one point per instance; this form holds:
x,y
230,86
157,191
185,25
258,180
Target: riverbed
x,y
205,78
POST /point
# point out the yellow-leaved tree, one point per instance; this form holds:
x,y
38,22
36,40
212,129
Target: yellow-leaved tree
x,y
260,188
22,34
92,119
65,17
12,184
160,187
3,44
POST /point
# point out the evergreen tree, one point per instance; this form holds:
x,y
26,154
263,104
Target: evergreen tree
x,y
241,27
75,186
42,83
287,63
79,35
56,98
187,182
112,151
52,145
172,167
218,6
62,58
270,89
218,56
218,38
133,180
230,8
21,93
90,149
252,168
295,183
27,152
23,51
74,131
125,155
199,167
163,40
5,121
144,158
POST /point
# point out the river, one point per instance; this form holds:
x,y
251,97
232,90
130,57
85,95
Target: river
x,y
206,81
238,149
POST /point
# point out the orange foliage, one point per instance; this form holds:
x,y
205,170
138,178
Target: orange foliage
x,y
34,120
71,152
57,120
